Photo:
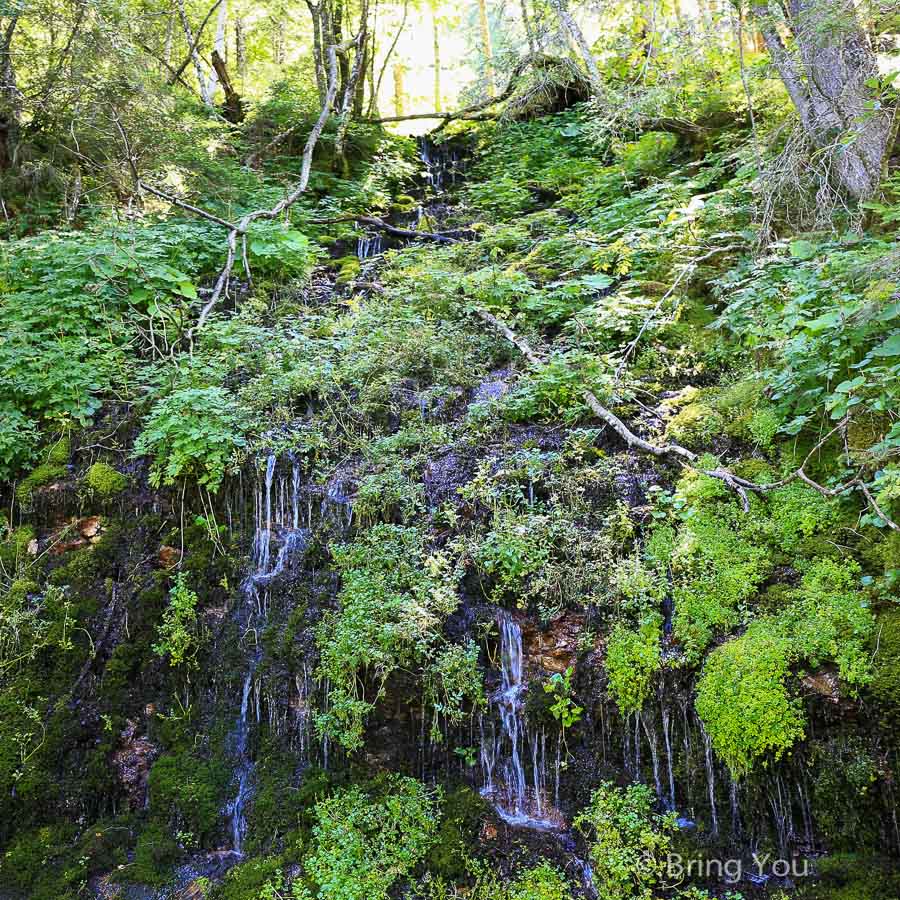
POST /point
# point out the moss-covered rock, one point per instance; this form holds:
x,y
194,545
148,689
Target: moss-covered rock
x,y
104,481
40,476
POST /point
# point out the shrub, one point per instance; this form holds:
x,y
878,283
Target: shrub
x,y
364,841
628,841
193,431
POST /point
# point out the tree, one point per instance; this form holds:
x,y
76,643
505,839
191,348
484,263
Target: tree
x,y
436,37
486,46
571,27
831,78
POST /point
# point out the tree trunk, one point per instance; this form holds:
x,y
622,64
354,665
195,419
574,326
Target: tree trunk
x,y
315,12
486,46
240,49
234,108
827,81
529,31
436,41
10,99
348,101
399,88
206,90
387,58
575,33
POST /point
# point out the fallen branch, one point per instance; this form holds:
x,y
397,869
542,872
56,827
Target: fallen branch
x,y
439,237
239,229
687,457
470,113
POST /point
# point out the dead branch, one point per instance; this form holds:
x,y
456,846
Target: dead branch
x,y
471,112
240,228
439,237
687,457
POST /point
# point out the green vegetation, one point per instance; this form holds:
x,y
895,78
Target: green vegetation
x,y
366,840
300,399
628,841
743,696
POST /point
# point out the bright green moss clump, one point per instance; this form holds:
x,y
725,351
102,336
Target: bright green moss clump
x,y
104,481
632,658
743,697
695,424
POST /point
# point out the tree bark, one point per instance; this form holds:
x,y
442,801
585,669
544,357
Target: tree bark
x,y
436,41
529,31
203,83
486,46
315,12
827,81
377,92
577,35
399,88
234,106
10,99
348,101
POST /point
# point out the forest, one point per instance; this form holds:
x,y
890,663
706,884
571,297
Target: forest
x,y
449,450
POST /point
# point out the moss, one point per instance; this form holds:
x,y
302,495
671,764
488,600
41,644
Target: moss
x,y
247,880
155,856
798,513
463,812
743,695
885,686
104,481
853,877
843,791
695,424
38,477
348,268
187,792
41,862
718,564
19,591
632,659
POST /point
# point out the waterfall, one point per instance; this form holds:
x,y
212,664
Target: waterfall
x,y
244,771
369,245
442,164
504,780
277,520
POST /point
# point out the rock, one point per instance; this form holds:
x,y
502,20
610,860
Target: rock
x,y
89,527
132,762
168,557
488,832
825,683
556,648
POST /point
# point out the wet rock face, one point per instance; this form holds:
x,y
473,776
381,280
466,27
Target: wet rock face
x,y
555,648
132,762
825,683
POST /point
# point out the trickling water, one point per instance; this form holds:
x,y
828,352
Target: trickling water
x,y
442,163
505,783
243,771
369,245
276,523
711,783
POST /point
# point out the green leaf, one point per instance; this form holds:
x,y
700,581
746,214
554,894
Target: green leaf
x,y
890,347
803,249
